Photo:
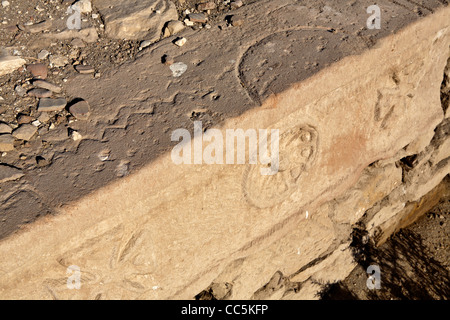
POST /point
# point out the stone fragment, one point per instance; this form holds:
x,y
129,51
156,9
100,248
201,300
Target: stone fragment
x,y
23,119
43,54
180,42
77,43
4,128
83,6
80,110
49,105
84,69
24,132
167,60
38,70
37,27
237,21
206,6
198,17
5,3
145,44
236,4
178,69
40,93
9,64
44,117
8,173
42,162
136,20
6,143
188,22
59,61
88,35
21,91
76,136
47,85
173,27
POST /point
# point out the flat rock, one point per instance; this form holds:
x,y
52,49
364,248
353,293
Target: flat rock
x,y
24,132
9,64
88,35
77,43
84,6
4,128
37,27
40,93
23,119
8,173
173,27
206,6
80,110
47,85
198,17
84,69
38,70
59,61
49,105
6,143
136,19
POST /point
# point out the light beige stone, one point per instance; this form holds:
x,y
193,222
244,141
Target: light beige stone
x,y
136,19
178,228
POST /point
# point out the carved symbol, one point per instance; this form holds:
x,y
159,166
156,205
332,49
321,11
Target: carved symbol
x,y
115,264
298,149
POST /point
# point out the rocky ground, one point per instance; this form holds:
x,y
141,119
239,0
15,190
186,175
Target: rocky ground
x,y
39,54
414,263
36,32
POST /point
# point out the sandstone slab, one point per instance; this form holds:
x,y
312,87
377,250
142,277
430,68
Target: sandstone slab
x,y
170,231
6,143
9,64
136,19
8,173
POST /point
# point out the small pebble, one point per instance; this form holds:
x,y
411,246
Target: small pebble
x,y
198,17
38,70
178,69
24,119
21,91
47,85
40,93
83,69
43,54
206,6
180,42
80,110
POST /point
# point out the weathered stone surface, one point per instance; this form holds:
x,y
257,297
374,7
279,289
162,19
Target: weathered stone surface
x,y
40,93
38,70
136,19
173,27
8,173
80,110
4,128
9,64
88,35
24,132
47,85
342,130
84,69
37,27
6,143
49,105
